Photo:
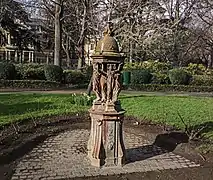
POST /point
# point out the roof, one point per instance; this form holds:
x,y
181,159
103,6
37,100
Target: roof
x,y
108,44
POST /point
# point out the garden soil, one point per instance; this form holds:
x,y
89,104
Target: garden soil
x,y
18,139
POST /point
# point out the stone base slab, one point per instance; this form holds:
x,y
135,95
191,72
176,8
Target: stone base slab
x,y
65,156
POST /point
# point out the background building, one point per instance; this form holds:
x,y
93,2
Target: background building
x,y
39,50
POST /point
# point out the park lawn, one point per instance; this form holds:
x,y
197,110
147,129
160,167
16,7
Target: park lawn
x,y
196,112
160,109
22,106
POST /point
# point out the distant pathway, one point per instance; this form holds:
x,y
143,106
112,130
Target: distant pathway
x,y
79,91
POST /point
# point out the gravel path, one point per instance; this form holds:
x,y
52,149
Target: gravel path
x,y
79,91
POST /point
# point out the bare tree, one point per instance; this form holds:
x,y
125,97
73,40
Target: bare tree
x,y
58,31
204,30
80,23
53,11
155,29
166,30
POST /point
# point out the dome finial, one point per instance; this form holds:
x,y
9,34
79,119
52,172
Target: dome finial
x,y
107,45
109,29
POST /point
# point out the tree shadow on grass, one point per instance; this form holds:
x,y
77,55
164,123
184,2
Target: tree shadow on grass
x,y
20,108
7,98
132,96
164,143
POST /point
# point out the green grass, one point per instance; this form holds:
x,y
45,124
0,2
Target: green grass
x,y
18,107
164,109
195,111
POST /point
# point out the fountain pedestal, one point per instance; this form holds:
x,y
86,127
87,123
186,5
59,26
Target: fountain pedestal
x,y
106,146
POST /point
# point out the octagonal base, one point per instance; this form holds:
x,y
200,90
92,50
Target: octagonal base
x,y
105,145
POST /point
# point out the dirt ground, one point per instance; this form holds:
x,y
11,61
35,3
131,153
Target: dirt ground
x,y
18,139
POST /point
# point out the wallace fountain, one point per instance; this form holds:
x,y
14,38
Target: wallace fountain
x,y
105,145
80,152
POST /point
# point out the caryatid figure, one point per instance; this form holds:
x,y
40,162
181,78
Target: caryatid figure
x,y
96,82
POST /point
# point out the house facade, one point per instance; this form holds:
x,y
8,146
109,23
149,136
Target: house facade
x,y
9,51
89,48
43,51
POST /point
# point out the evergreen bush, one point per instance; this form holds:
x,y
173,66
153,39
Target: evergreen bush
x,y
53,73
30,71
179,76
167,88
75,77
28,84
141,76
160,78
7,71
201,80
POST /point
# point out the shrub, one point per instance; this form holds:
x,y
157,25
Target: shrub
x,y
75,77
7,71
179,76
196,69
160,78
201,80
209,72
30,71
152,66
141,76
157,66
132,66
29,84
53,73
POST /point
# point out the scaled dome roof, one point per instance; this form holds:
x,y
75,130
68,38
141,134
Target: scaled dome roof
x,y
107,44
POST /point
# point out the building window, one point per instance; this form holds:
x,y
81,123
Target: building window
x,y
92,46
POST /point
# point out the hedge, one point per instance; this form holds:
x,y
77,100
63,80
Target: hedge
x,y
53,73
28,84
179,76
75,77
168,87
30,71
160,78
140,76
7,71
201,80
39,84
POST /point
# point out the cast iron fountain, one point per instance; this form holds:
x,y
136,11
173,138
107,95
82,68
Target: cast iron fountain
x,y
105,145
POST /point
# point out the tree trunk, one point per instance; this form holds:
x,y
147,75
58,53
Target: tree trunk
x,y
57,50
66,48
68,58
80,62
210,59
82,37
81,57
47,59
130,51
